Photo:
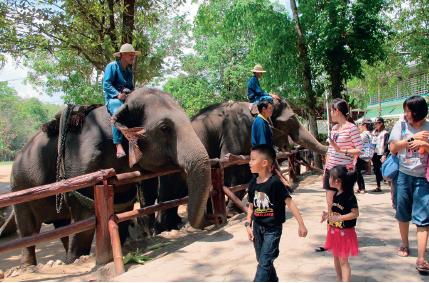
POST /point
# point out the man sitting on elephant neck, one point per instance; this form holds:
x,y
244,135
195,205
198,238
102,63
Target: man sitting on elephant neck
x,y
254,90
117,83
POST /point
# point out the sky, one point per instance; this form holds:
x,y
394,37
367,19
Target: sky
x,y
15,74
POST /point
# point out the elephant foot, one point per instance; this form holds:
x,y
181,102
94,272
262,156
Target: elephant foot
x,y
28,261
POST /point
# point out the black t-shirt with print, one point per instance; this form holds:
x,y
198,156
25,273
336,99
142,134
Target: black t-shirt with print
x,y
343,204
268,200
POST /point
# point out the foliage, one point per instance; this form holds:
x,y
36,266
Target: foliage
x,y
77,40
231,36
412,24
136,257
20,119
342,36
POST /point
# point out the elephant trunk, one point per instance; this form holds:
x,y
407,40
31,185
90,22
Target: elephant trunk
x,y
303,137
193,158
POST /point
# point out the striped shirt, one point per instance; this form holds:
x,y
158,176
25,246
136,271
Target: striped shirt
x,y
346,138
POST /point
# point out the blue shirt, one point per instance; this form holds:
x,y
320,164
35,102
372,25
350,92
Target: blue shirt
x,y
254,90
261,132
116,79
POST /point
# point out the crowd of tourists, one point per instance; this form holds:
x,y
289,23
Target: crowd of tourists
x,y
351,149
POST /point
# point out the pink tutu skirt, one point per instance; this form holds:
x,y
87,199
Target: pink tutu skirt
x,y
342,242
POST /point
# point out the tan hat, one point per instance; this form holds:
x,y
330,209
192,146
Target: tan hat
x,y
126,48
258,69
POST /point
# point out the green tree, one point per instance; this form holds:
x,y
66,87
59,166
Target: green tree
x,y
20,119
78,39
342,36
231,36
412,24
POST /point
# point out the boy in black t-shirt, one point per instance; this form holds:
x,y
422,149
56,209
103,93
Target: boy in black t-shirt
x,y
266,211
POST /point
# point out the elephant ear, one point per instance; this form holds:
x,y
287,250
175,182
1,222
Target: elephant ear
x,y
126,122
282,112
122,116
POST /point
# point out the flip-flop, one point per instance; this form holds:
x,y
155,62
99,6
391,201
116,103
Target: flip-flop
x,y
423,267
320,249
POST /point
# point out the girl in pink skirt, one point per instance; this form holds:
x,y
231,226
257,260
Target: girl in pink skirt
x,y
341,238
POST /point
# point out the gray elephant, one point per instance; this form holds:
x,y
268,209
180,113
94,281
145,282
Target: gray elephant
x,y
169,141
226,128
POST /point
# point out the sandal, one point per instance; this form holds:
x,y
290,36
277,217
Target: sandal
x,y
320,249
422,267
403,251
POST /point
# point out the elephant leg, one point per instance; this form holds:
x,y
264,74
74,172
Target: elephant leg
x,y
171,187
235,176
123,231
61,223
80,243
27,225
148,193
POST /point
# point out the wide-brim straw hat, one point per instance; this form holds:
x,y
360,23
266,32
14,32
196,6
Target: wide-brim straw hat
x,y
126,48
258,69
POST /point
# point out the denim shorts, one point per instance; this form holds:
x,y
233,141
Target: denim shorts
x,y
412,199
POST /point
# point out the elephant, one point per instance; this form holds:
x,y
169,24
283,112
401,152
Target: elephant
x,y
261,201
226,128
169,141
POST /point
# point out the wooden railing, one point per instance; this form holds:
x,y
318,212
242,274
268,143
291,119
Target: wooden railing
x,y
105,220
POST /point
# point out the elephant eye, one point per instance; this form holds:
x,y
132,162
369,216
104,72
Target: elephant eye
x,y
163,128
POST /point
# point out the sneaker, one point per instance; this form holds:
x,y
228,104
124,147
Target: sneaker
x,y
377,190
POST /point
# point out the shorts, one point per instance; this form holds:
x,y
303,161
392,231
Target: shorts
x,y
326,185
412,199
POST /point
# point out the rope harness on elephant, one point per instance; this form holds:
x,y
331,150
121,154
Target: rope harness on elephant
x,y
132,134
62,136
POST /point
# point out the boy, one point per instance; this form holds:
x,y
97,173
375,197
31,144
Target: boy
x,y
261,131
266,212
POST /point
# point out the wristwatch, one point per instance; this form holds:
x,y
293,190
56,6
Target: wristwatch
x,y
246,224
410,140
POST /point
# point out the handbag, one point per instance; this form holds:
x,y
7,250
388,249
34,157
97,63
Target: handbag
x,y
390,167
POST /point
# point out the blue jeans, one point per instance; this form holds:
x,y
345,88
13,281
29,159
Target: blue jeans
x,y
412,199
113,106
266,242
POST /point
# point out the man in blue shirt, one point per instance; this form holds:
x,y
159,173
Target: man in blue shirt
x,y
118,77
261,130
254,90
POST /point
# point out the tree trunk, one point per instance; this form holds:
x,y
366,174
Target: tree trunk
x,y
128,21
310,94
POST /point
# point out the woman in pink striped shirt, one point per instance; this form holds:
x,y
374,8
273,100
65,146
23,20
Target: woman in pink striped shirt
x,y
345,144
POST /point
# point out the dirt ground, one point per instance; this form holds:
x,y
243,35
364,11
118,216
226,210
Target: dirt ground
x,y
51,255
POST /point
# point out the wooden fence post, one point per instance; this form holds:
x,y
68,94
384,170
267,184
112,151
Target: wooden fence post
x,y
218,196
103,202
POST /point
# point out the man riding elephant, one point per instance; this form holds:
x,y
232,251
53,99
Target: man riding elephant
x,y
167,141
226,128
117,84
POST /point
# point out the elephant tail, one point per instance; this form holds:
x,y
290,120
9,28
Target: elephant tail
x,y
9,225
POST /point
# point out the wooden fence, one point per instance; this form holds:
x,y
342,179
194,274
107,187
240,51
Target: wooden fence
x,y
105,220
